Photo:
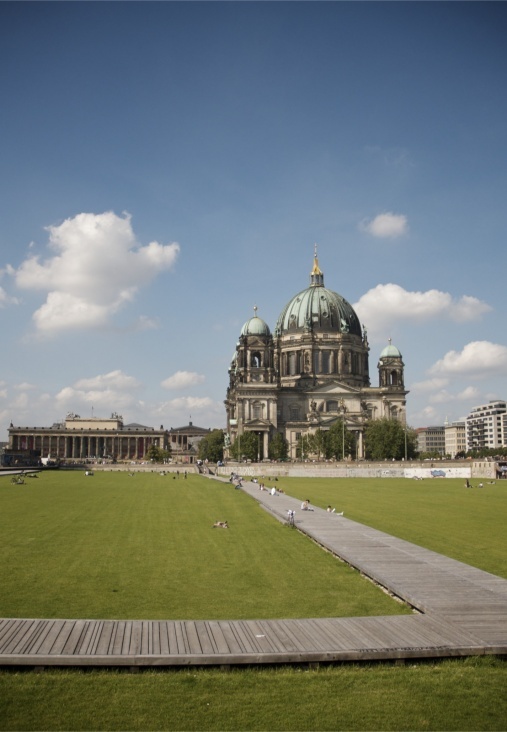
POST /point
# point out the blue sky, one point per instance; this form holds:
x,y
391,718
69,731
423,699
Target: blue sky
x,y
167,166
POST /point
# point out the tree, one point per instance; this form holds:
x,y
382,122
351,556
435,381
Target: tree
x,y
317,443
278,447
334,441
157,454
248,445
385,439
211,447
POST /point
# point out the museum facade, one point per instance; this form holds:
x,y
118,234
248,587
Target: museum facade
x,y
312,371
81,439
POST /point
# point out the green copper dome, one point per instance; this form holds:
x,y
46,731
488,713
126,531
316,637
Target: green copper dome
x,y
318,308
390,351
255,326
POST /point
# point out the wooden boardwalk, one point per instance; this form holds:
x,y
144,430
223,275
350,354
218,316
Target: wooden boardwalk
x,y
462,612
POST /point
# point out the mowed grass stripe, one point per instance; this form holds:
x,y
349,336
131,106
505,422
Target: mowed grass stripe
x,y
115,547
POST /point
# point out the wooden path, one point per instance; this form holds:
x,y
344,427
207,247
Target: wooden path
x,y
462,612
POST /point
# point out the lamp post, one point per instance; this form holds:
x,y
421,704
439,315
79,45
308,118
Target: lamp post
x,y
343,409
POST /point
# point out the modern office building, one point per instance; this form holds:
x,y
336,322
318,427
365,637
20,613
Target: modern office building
x,y
486,426
431,439
455,439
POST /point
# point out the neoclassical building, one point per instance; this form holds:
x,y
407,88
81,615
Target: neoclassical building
x,y
93,438
310,372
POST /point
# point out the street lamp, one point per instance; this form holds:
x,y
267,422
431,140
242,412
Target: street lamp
x,y
343,410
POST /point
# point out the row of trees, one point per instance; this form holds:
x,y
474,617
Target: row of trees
x,y
384,439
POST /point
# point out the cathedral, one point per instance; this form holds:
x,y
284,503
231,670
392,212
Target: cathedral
x,y
310,372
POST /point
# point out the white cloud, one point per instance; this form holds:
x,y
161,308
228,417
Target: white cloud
x,y
182,379
386,226
143,322
445,397
477,360
189,403
427,415
111,392
97,267
428,386
6,299
385,305
113,380
102,400
25,386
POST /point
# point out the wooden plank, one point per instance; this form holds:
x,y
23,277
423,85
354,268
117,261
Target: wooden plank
x,y
17,635
74,637
181,637
164,639
135,638
248,640
192,637
285,636
54,627
206,641
127,638
218,637
172,638
104,639
261,639
118,638
231,638
61,640
156,642
6,629
94,640
32,639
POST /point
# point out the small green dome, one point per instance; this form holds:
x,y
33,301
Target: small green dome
x,y
390,351
255,326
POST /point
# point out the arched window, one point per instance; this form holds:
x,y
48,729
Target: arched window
x,y
256,360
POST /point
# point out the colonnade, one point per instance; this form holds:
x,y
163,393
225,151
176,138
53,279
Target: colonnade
x,y
82,446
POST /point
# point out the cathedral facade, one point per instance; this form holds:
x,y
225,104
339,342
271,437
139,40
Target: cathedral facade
x,y
312,371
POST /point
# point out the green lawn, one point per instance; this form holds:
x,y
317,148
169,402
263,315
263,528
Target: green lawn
x,y
114,546
466,694
439,514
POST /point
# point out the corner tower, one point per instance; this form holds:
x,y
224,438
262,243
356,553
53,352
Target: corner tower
x,y
252,393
